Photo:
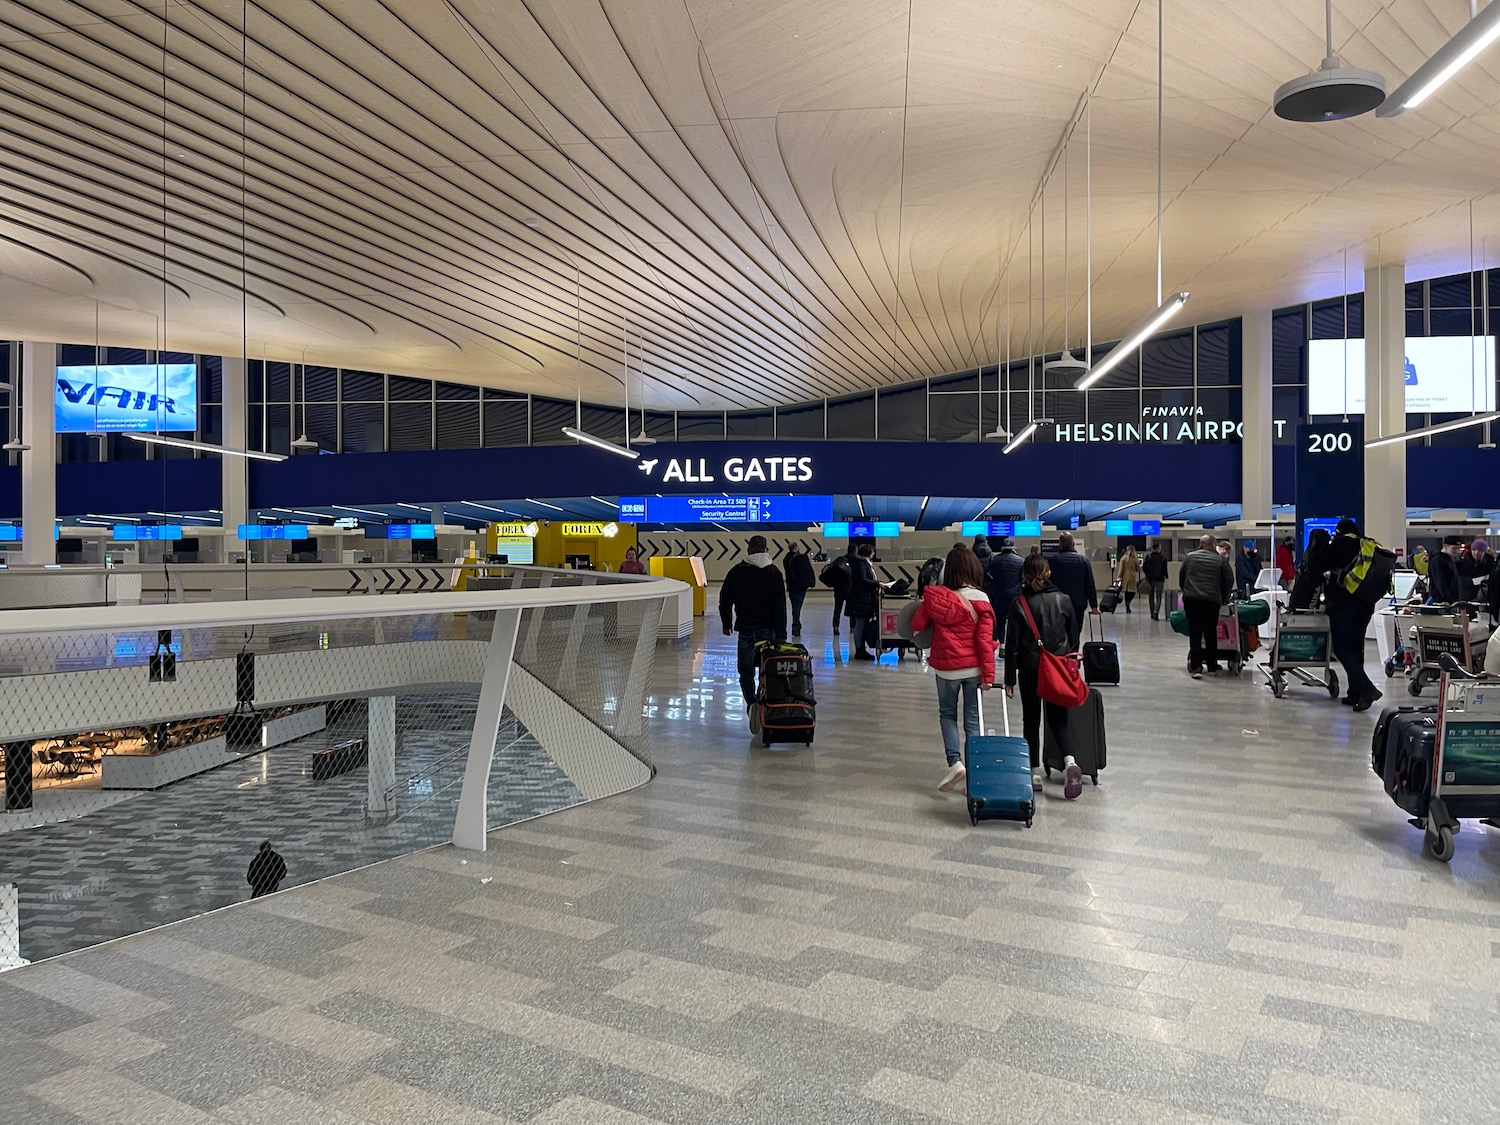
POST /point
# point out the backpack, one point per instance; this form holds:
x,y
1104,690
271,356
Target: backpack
x,y
931,572
1368,578
840,564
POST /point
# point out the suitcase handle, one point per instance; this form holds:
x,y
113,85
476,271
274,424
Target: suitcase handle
x,y
1004,710
1090,619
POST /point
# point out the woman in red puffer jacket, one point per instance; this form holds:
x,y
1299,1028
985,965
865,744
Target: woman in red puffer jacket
x,y
963,650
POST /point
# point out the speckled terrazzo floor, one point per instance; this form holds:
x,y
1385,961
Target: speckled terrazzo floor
x,y
1235,927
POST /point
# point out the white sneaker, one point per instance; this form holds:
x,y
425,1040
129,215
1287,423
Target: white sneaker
x,y
1073,778
1036,783
952,779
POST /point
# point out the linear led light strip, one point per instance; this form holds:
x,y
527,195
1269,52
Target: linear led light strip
x,y
599,443
1435,428
1123,349
1449,59
205,447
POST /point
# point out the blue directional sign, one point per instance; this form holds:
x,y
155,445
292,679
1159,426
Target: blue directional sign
x,y
866,529
251,532
12,532
726,509
129,532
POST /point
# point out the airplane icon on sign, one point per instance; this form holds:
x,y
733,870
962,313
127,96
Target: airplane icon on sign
x,y
647,466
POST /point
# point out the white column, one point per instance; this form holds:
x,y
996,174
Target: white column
x,y
1385,403
234,490
435,514
1255,446
39,464
1032,508
382,752
472,820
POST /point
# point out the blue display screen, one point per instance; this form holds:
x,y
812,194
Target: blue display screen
x,y
129,532
120,397
250,532
1314,522
864,529
401,531
1132,527
12,533
726,509
1001,529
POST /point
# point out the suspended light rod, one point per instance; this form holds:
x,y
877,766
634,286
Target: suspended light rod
x,y
598,443
1435,428
1136,338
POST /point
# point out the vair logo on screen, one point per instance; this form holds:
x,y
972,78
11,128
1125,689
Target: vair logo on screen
x,y
695,470
1409,376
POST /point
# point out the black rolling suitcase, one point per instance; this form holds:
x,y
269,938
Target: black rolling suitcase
x,y
1410,745
785,709
1109,601
1087,735
1101,658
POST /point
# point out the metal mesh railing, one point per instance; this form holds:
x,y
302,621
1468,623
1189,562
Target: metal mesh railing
x,y
150,751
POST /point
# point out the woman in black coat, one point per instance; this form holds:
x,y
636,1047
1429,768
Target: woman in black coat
x,y
864,602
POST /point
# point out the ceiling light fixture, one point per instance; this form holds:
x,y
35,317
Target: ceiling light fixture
x,y
599,443
1482,29
1435,428
1334,91
1136,338
602,500
484,507
1067,365
642,438
1002,396
544,504
1026,434
1167,309
1054,507
206,447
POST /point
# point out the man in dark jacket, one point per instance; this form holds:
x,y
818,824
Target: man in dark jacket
x,y
1003,583
1444,577
752,601
837,575
1154,571
266,871
1207,581
864,605
1072,574
1348,617
799,580
1247,568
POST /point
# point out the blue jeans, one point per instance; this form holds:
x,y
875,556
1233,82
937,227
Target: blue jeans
x,y
948,692
749,638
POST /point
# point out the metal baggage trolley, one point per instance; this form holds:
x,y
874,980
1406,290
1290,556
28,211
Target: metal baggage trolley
x,y
888,614
1303,649
1437,635
1466,757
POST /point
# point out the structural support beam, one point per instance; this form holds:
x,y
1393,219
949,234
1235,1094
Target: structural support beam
x,y
1385,404
39,463
1255,446
234,491
472,822
382,753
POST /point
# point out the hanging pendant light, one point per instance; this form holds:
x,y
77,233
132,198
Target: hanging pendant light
x,y
1067,365
1002,397
643,438
1165,309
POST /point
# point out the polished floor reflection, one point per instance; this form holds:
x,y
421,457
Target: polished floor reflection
x,y
1236,926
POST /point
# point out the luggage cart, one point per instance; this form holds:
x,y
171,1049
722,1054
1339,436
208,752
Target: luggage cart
x,y
1435,635
1303,649
890,636
1466,757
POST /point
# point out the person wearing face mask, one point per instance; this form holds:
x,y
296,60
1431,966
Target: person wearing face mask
x,y
1477,567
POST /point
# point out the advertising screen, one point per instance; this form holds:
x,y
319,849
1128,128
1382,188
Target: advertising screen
x,y
726,509
120,397
401,531
1444,375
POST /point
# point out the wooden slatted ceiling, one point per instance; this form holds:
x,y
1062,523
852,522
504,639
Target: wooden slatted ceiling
x,y
782,199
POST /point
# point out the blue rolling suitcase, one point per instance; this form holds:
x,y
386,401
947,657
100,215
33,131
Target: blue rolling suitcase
x,y
998,786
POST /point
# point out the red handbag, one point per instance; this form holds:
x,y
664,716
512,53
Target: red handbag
x,y
1058,678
